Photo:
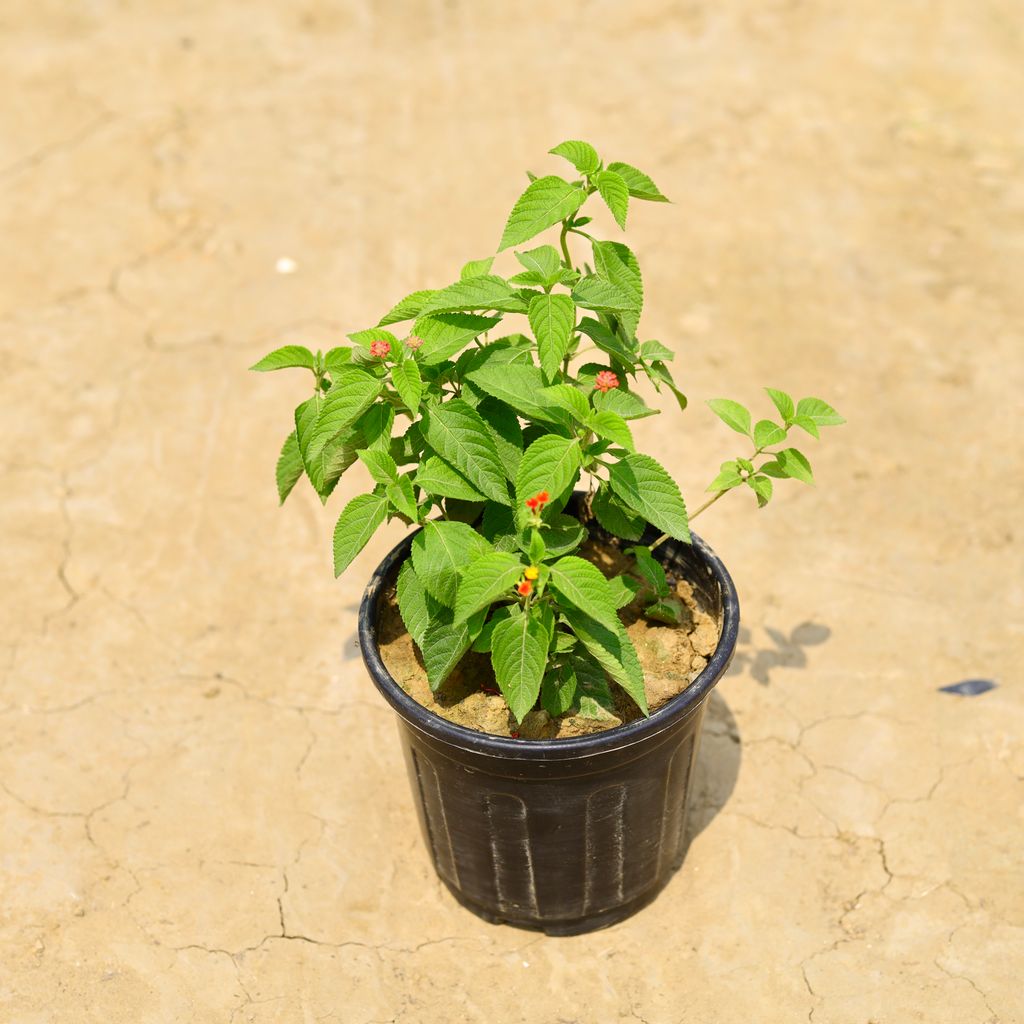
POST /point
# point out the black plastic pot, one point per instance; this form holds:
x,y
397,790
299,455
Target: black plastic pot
x,y
564,835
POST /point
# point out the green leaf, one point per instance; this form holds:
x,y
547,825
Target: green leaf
x,y
536,549
319,464
657,371
625,403
485,292
645,487
552,318
615,193
728,478
762,487
609,342
375,425
639,184
457,433
482,644
356,525
487,578
612,426
615,517
403,498
624,590
783,402
592,690
380,464
651,570
286,357
613,651
654,350
519,654
794,464
546,201
498,526
558,689
581,155
439,552
409,308
584,586
595,292
350,396
289,466
767,433
503,426
820,413
408,383
569,398
563,535
337,358
417,608
444,334
732,414
807,424
668,610
366,338
515,385
443,646
436,477
550,464
543,261
476,268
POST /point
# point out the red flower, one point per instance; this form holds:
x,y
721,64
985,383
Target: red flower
x,y
543,497
524,587
380,348
538,501
606,381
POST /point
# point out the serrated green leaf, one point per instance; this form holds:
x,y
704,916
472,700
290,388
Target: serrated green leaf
x,y
628,405
503,426
558,689
403,498
563,535
439,551
443,646
546,201
366,338
552,318
408,308
457,433
732,414
350,396
658,371
650,569
668,610
337,358
615,517
595,292
654,350
357,523
319,464
608,341
515,385
584,586
805,423
417,608
613,650
567,397
623,590
550,464
519,654
482,644
762,487
499,527
592,691
380,464
289,466
286,357
581,155
487,291
436,477
767,433
375,425
793,464
544,262
612,426
644,486
486,579
820,413
615,194
408,383
783,402
476,268
444,334
728,478
639,184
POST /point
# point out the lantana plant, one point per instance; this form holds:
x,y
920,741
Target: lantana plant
x,y
479,441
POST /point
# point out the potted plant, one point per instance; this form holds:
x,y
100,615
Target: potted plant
x,y
550,632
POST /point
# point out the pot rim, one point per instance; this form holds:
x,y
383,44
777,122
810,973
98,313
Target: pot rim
x,y
486,744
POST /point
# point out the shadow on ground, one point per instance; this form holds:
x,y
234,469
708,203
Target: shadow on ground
x,y
718,766
782,650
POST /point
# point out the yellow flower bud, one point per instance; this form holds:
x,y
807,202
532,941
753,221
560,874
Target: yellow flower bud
x,y
532,573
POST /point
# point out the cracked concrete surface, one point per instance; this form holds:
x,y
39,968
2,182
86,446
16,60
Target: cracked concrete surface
x,y
203,812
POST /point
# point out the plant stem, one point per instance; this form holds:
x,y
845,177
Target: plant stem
x,y
567,259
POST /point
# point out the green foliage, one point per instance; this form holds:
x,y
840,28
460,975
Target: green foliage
x,y
479,441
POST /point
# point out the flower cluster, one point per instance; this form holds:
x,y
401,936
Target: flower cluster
x,y
380,349
606,381
413,342
538,501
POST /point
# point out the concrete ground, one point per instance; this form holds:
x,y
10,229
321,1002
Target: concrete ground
x,y
203,813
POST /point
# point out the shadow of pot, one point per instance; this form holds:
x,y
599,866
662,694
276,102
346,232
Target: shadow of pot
x,y
564,835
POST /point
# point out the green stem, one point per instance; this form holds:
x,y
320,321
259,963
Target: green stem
x,y
566,258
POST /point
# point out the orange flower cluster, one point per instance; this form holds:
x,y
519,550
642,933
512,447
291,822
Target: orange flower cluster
x,y
606,381
380,348
538,501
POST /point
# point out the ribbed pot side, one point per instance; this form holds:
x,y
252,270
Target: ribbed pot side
x,y
564,835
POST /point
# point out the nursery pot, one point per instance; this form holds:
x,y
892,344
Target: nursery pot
x,y
563,835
